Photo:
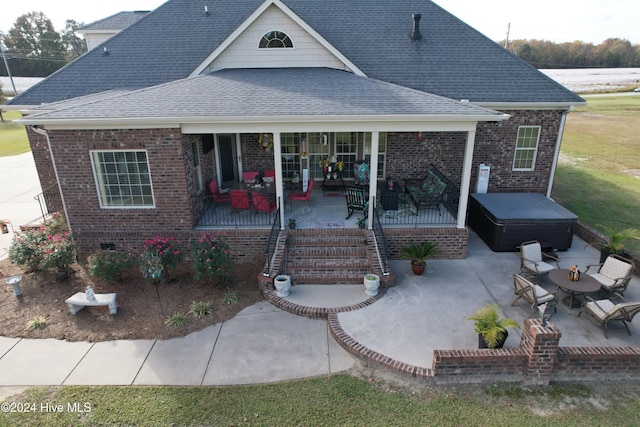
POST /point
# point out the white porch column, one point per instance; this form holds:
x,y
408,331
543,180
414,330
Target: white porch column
x,y
373,175
277,159
556,152
466,178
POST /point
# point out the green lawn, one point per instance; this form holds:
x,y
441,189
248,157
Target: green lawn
x,y
338,400
598,177
13,137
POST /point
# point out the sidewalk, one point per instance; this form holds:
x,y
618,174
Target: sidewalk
x,y
19,184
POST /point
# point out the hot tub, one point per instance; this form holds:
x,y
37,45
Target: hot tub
x,y
505,220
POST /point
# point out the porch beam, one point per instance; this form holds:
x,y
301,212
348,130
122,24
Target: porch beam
x,y
466,178
373,176
277,158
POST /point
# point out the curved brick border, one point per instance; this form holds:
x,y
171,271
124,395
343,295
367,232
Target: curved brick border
x,y
317,312
370,356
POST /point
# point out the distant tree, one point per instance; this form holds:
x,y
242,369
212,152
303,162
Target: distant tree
x,y
612,53
35,48
74,45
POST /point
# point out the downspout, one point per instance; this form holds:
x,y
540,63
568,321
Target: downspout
x,y
556,153
43,132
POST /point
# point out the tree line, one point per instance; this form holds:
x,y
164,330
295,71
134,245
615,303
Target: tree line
x,y
35,49
611,53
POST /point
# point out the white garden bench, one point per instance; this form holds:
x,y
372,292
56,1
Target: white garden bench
x,y
79,301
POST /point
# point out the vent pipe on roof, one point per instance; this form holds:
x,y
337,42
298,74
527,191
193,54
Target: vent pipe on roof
x,y
415,34
206,10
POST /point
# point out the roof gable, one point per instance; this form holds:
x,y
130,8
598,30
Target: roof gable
x,y
240,50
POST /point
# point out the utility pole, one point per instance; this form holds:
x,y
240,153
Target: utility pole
x,y
506,41
3,48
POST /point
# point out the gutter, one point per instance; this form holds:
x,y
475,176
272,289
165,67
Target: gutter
x,y
556,152
43,132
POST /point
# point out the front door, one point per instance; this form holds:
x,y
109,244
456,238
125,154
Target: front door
x,y
227,155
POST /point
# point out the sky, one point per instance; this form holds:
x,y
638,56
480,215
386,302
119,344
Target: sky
x,y
591,21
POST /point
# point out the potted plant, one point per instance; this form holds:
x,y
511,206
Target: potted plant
x,y
362,222
615,241
491,327
417,253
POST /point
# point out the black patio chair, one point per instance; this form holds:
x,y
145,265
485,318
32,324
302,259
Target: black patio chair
x,y
356,200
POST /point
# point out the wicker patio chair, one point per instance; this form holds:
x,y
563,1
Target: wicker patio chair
x,y
604,311
533,294
614,274
532,259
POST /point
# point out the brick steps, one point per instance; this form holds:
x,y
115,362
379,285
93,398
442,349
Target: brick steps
x,y
326,257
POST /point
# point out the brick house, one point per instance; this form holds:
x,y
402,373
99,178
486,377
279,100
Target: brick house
x,y
131,132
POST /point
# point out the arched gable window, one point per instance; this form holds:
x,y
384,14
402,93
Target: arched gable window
x,y
275,39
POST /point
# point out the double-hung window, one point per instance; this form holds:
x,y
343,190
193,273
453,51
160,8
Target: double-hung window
x,y
526,148
122,179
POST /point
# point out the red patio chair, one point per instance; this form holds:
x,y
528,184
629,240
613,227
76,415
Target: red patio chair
x,y
270,174
263,203
218,197
239,199
302,196
249,176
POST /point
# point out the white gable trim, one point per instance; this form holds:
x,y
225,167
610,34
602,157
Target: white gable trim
x,y
295,18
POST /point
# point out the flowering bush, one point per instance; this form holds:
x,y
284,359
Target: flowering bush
x,y
211,258
25,249
47,247
160,255
109,265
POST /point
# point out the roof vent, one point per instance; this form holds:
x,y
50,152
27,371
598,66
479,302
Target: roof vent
x,y
415,34
206,10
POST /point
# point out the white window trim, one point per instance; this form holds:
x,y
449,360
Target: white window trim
x,y
293,44
535,150
96,178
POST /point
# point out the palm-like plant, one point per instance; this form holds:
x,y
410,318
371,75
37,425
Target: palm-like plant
x,y
490,325
616,240
418,252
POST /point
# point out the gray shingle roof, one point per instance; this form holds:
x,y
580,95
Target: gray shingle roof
x,y
268,93
119,21
451,59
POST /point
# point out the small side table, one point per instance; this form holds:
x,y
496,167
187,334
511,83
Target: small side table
x,y
332,184
389,197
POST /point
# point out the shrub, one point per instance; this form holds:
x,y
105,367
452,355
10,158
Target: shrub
x,y
211,258
109,265
37,322
231,297
48,247
26,250
175,320
201,309
160,255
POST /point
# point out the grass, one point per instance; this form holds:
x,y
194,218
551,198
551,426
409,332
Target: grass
x,y
337,400
598,177
13,137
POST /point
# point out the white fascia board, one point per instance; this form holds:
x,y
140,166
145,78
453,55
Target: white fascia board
x,y
252,18
278,123
499,106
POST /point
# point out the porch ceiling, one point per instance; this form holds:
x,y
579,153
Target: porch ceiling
x,y
265,96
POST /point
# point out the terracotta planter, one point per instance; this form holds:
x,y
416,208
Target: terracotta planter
x,y
418,269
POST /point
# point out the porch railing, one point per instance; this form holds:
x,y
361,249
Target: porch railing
x,y
382,245
50,201
221,214
272,242
405,213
